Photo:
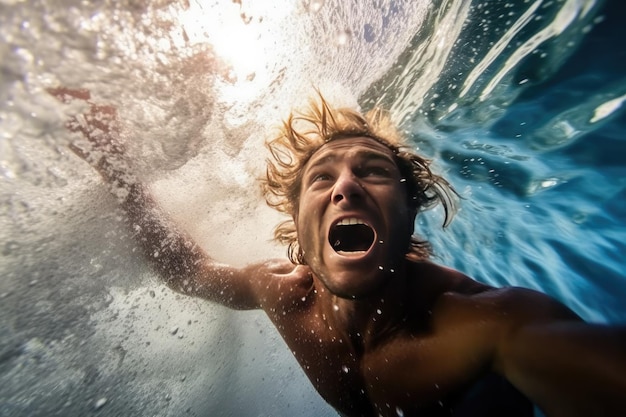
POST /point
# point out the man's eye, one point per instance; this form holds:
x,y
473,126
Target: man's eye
x,y
376,172
321,177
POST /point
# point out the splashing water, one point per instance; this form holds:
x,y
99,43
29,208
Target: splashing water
x,y
517,102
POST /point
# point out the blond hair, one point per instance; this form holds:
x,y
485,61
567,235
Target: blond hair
x,y
303,133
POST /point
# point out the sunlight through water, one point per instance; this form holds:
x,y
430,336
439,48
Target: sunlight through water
x,y
519,103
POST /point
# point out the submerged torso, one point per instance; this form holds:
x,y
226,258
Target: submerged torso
x,y
407,370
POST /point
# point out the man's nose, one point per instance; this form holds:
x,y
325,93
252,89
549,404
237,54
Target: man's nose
x,y
347,189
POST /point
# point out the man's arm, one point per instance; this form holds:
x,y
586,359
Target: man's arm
x,y
181,263
564,365
568,368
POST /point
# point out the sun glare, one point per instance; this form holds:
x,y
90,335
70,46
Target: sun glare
x,y
243,36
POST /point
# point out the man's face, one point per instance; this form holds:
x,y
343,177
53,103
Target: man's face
x,y
353,221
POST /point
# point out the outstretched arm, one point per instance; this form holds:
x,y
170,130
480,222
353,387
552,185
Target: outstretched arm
x,y
564,365
569,368
181,263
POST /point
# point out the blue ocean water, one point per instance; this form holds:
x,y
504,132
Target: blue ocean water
x,y
544,184
519,104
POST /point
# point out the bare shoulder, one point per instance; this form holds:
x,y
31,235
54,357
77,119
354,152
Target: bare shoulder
x,y
442,279
277,270
526,304
258,285
455,288
279,281
459,300
510,307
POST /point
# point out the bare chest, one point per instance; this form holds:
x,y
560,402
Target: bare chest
x,y
329,361
357,383
409,374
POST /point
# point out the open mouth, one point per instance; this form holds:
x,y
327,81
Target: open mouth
x,y
351,235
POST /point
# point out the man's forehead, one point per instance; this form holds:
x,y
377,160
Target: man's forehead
x,y
359,144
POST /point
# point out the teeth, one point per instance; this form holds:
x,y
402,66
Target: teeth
x,y
350,221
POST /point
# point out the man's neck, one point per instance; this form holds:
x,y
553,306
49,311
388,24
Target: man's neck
x,y
365,321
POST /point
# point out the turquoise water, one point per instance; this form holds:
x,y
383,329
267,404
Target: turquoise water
x,y
544,175
519,103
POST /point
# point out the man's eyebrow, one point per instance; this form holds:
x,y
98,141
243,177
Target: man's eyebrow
x,y
374,155
366,154
331,157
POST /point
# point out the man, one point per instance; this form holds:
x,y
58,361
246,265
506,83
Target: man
x,y
376,326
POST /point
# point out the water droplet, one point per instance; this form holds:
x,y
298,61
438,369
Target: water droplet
x,y
336,307
100,403
579,218
379,311
399,412
315,6
345,369
343,37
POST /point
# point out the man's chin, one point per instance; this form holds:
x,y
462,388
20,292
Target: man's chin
x,y
353,275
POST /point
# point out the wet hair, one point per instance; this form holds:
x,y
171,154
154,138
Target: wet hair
x,y
303,133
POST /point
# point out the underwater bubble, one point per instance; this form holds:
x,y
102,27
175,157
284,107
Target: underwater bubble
x,y
100,403
343,37
314,6
579,218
